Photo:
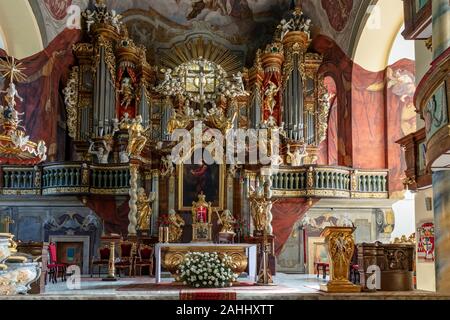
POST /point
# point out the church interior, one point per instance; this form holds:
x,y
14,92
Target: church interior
x,y
224,149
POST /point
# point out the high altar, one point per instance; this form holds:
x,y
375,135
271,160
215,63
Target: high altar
x,y
144,136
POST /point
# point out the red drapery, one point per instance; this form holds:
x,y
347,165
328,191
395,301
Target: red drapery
x,y
114,215
45,72
286,213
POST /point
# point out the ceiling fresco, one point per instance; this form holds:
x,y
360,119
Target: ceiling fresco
x,y
241,25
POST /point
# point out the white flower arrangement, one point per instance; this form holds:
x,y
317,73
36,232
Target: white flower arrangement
x,y
206,270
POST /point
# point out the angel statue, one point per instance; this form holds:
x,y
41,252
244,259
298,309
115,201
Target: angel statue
x,y
227,221
137,139
175,227
89,17
11,95
144,209
115,20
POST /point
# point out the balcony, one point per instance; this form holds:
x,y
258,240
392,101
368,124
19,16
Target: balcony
x,y
329,182
72,178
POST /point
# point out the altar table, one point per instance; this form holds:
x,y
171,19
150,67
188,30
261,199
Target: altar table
x,y
170,256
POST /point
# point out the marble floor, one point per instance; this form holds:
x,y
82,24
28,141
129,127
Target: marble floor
x,y
288,287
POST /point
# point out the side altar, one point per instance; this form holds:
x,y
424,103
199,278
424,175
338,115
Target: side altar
x,y
170,255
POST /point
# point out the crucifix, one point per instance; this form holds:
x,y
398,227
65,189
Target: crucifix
x,y
7,221
200,80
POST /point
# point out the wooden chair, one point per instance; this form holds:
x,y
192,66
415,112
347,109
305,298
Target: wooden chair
x,y
54,268
126,257
144,259
102,261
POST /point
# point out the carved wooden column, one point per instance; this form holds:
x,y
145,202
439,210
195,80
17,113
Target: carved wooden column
x,y
341,246
132,215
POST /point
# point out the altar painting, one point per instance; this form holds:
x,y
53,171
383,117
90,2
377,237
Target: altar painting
x,y
194,179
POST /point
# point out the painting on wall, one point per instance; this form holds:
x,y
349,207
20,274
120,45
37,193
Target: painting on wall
x,y
425,244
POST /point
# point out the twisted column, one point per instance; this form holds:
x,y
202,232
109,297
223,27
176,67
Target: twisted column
x,y
132,215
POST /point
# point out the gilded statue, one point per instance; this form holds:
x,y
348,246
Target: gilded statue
x,y
270,94
176,224
126,90
137,140
227,221
261,206
144,209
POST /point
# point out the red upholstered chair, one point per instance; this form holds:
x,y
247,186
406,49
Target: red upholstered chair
x,y
102,261
144,259
126,256
55,268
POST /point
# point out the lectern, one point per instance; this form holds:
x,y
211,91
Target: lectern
x,y
340,246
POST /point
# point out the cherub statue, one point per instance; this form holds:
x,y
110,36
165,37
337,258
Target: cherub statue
x,y
136,138
19,139
125,122
286,27
227,221
89,16
42,150
176,226
115,20
307,27
166,84
127,91
115,125
102,152
11,95
144,209
239,83
298,155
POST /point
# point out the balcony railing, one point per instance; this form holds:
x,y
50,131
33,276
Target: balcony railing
x,y
329,182
65,179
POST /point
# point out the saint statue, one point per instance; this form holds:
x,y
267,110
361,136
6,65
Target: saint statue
x,y
126,90
136,139
144,209
227,221
270,94
175,227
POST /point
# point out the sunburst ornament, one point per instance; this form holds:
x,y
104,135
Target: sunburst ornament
x,y
12,69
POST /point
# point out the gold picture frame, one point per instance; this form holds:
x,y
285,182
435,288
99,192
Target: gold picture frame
x,y
186,204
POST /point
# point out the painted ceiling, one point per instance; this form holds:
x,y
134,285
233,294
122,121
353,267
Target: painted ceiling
x,y
240,25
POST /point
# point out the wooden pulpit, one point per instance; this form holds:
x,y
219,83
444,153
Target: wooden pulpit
x,y
340,246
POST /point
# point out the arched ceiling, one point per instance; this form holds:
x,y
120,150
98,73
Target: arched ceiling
x,y
19,28
243,25
377,34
